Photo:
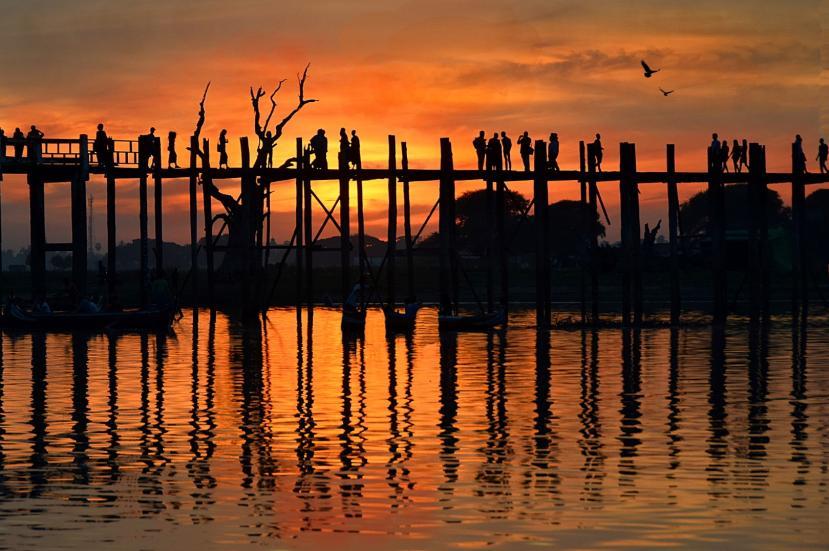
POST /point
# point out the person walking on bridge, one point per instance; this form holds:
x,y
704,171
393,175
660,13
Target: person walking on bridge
x,y
744,155
479,144
172,156
799,155
822,155
221,147
99,146
714,154
506,144
552,153
356,160
724,155
345,149
525,144
494,154
319,146
598,152
735,155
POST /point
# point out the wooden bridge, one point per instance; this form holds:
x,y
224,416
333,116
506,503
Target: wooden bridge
x,y
72,160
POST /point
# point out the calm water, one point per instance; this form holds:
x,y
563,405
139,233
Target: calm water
x,y
281,435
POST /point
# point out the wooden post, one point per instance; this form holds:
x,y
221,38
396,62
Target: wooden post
x,y
585,224
626,233
37,227
207,181
194,235
392,223
594,238
111,235
490,243
79,235
800,289
309,239
361,228
158,204
143,158
673,233
636,231
448,264
542,236
345,227
248,200
716,232
757,213
300,171
407,225
501,242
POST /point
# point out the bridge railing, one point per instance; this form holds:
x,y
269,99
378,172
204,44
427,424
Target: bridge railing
x,y
65,151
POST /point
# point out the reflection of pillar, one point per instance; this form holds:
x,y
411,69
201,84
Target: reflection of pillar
x,y
448,410
112,406
80,406
39,457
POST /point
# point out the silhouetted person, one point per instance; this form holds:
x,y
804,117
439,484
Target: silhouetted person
x,y
268,142
714,152
34,141
649,238
99,146
822,155
19,142
598,152
319,145
172,156
525,147
799,155
724,155
151,152
221,147
494,154
552,152
735,155
744,155
356,159
479,144
506,145
345,149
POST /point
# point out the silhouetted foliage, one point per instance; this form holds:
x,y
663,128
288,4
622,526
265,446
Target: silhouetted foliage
x,y
694,212
817,225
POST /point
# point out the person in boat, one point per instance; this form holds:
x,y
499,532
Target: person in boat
x,y
40,306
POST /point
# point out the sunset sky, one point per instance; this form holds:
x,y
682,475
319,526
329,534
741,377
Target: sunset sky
x,y
419,70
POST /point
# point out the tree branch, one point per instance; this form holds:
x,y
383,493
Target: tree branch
x,y
301,103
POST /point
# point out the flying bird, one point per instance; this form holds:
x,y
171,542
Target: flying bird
x,y
666,93
648,71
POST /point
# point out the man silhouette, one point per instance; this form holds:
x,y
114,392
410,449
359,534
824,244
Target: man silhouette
x,y
172,156
598,152
744,155
34,140
494,154
19,142
552,152
724,155
479,144
735,155
221,147
714,152
822,155
345,149
319,145
99,146
525,144
799,155
506,144
356,160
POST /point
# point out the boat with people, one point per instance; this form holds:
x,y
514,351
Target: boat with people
x,y
402,321
37,319
472,322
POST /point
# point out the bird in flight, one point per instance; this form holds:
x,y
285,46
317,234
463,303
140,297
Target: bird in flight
x,y
648,71
666,93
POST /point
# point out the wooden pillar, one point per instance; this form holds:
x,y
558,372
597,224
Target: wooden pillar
x,y
248,203
626,233
207,209
159,208
78,208
194,234
585,224
37,227
542,236
143,158
407,225
800,289
392,224
361,228
756,217
490,243
673,233
716,232
594,238
111,235
501,243
446,232
636,231
309,239
345,227
300,171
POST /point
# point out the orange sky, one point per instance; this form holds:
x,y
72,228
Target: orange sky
x,y
419,70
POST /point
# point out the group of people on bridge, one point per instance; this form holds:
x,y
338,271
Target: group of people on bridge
x,y
494,155
32,141
348,156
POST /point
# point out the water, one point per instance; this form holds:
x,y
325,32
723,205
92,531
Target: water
x,y
284,436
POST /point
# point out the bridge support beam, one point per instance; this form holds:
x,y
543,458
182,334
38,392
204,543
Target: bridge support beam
x,y
542,237
673,233
392,226
446,232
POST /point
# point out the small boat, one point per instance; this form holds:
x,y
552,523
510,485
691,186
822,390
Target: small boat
x,y
474,322
353,321
14,317
402,321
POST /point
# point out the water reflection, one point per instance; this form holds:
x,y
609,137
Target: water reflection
x,y
281,430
